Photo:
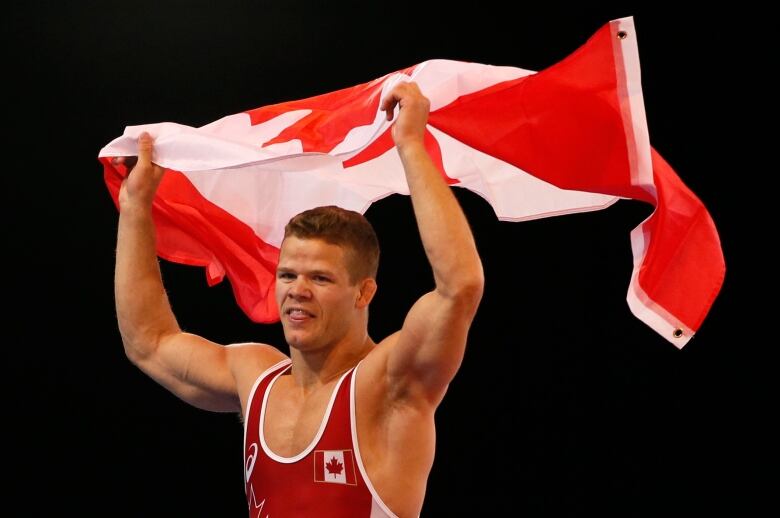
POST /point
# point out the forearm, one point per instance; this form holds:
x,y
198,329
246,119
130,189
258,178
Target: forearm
x,y
444,230
143,311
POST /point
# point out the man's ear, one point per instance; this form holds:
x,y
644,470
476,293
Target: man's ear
x,y
367,290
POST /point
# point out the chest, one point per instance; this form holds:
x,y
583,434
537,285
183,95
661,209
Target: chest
x,y
293,421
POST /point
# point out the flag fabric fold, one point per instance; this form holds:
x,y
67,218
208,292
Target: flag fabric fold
x,y
568,139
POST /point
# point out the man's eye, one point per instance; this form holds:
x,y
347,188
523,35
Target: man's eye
x,y
286,276
320,278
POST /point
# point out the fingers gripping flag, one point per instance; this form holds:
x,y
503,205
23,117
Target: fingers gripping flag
x,y
568,139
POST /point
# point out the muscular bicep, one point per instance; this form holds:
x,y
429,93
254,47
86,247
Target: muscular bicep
x,y
196,370
429,348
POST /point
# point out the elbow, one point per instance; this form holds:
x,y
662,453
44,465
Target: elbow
x,y
471,294
136,352
474,282
468,291
463,285
139,349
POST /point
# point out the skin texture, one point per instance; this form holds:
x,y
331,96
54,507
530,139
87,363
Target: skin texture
x,y
403,377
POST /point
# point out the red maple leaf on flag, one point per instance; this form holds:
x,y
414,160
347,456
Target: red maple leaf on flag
x,y
332,115
334,466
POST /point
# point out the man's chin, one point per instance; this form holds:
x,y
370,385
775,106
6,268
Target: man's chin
x,y
300,341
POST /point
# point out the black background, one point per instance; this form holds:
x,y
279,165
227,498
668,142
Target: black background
x,y
566,404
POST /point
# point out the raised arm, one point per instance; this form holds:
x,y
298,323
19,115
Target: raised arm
x,y
196,370
429,348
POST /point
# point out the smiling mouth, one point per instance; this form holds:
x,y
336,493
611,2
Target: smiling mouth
x,y
298,314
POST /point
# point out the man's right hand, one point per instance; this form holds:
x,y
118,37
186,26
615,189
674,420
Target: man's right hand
x,y
409,128
140,186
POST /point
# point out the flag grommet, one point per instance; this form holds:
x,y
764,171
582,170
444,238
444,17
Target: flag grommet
x,y
677,333
622,35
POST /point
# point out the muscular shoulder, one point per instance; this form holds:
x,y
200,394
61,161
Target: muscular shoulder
x,y
376,361
374,382
252,357
394,391
248,360
255,349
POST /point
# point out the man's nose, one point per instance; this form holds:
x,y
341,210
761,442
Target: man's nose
x,y
299,288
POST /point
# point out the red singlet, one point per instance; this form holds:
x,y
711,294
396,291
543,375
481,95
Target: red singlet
x,y
326,480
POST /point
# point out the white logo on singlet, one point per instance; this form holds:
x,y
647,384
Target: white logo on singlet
x,y
250,461
257,507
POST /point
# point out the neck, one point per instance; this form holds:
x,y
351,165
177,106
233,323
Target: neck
x,y
312,369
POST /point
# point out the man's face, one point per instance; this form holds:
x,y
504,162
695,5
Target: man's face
x,y
315,299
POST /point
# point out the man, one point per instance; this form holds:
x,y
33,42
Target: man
x,y
299,460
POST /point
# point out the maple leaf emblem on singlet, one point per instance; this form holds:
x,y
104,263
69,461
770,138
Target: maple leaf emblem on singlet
x,y
334,466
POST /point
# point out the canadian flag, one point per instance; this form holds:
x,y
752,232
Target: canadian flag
x,y
568,139
334,466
